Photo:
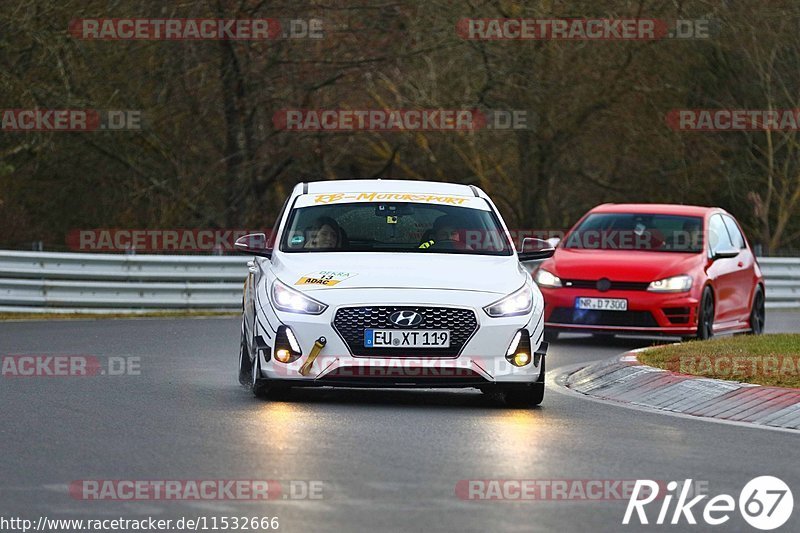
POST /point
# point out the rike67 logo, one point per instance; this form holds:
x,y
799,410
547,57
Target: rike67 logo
x,y
765,503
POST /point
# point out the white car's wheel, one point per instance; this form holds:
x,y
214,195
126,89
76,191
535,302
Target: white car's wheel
x,y
261,387
245,367
527,396
257,384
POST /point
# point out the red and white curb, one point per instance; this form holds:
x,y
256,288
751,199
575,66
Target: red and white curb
x,y
625,380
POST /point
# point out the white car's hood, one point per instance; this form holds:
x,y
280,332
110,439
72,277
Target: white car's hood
x,y
358,270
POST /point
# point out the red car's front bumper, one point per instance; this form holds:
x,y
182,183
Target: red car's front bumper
x,y
648,312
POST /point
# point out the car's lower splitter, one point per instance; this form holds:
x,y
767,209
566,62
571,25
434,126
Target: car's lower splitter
x,y
381,383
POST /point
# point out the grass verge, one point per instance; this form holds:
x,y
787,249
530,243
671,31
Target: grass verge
x,y
761,359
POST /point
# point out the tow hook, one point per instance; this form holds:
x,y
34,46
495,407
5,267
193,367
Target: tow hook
x,y
319,344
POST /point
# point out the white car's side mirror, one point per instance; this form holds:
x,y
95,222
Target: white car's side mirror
x,y
553,241
535,249
253,243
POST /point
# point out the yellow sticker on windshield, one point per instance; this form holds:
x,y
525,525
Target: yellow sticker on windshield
x,y
393,197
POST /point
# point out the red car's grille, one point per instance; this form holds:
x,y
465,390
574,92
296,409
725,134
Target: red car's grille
x,y
603,285
584,317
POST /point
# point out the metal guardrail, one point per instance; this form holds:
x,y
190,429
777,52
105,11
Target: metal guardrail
x,y
782,278
103,283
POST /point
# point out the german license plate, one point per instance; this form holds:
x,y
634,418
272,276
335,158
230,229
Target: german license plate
x,y
407,338
602,304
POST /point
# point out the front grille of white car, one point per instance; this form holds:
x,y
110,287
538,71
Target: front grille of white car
x,y
350,323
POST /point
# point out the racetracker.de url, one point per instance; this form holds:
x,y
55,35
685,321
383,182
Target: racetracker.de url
x,y
198,523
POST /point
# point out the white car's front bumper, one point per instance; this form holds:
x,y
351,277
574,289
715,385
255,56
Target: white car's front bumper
x,y
480,360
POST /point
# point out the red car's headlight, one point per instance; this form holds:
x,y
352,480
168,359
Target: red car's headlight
x,y
547,279
674,284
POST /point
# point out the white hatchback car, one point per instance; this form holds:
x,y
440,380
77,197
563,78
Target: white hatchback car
x,y
388,283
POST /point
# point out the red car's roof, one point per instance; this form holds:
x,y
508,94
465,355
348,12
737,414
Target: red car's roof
x,y
655,209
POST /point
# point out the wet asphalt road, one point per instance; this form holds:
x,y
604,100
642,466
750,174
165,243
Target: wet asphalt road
x,y
385,459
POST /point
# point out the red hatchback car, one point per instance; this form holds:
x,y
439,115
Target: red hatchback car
x,y
653,269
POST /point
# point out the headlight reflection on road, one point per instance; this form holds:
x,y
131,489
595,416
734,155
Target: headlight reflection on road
x,y
278,424
287,445
514,435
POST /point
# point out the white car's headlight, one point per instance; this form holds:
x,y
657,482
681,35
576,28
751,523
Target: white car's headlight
x,y
674,284
517,303
288,299
544,278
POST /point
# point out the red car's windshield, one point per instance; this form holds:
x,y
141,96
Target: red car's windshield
x,y
637,231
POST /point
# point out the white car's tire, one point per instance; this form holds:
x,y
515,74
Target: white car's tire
x,y
245,366
261,386
257,384
526,396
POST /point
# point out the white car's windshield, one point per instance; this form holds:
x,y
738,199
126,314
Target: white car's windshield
x,y
394,227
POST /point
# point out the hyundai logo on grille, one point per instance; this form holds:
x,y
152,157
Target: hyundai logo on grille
x,y
405,318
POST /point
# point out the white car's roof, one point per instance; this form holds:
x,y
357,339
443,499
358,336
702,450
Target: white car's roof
x,y
398,186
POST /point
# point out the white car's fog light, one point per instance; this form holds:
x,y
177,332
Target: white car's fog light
x,y
522,359
283,355
293,344
514,343
287,349
519,351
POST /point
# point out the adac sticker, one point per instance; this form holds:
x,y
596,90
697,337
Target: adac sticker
x,y
324,277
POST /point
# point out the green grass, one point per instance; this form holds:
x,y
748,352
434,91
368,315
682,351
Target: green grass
x,y
103,316
763,359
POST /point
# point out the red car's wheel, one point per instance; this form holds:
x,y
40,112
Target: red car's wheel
x,y
705,318
758,314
